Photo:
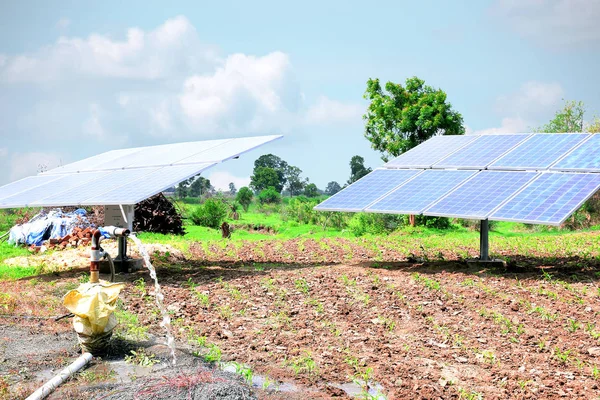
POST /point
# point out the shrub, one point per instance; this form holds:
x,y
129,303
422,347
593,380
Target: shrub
x,y
210,214
269,196
362,223
244,197
432,222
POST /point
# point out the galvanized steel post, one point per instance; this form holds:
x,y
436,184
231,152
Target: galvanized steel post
x,y
484,244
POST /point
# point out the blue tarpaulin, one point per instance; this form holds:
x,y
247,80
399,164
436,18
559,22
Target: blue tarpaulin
x,y
54,224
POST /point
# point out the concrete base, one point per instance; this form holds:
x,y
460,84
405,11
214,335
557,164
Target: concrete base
x,y
495,263
131,265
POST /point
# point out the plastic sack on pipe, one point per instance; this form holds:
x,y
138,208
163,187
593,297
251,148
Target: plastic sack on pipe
x,y
93,305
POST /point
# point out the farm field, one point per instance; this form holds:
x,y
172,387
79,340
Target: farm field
x,y
317,308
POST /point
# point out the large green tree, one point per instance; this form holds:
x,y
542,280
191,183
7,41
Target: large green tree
x,y
295,184
311,190
571,118
276,164
401,117
332,188
357,169
265,177
200,186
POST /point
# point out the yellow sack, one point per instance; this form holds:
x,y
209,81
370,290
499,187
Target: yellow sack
x,y
93,305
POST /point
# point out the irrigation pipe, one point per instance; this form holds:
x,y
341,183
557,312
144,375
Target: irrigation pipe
x,y
65,374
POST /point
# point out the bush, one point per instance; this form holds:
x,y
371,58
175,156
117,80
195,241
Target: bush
x,y
210,214
473,224
362,223
269,196
432,222
244,197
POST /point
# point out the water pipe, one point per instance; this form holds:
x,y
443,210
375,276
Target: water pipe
x,y
65,374
97,252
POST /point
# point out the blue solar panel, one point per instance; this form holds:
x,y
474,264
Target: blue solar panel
x,y
420,192
539,152
431,151
550,199
482,152
584,158
479,196
366,190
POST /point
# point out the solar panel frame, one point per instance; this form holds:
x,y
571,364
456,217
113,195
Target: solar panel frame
x,y
571,157
430,211
358,185
567,210
425,181
428,151
472,151
504,162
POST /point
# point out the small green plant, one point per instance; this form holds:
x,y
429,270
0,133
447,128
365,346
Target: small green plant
x,y
190,284
243,370
139,285
464,394
84,278
573,325
225,312
562,356
214,354
303,364
302,285
89,376
203,298
141,358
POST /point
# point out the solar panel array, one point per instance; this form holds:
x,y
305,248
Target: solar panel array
x,y
533,178
125,176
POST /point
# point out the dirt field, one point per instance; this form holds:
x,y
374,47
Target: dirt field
x,y
421,330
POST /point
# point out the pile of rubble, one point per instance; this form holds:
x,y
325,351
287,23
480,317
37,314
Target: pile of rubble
x,y
158,214
79,237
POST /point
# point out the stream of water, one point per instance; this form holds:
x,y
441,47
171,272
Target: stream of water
x,y
166,319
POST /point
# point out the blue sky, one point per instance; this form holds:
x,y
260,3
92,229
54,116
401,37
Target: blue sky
x,y
79,78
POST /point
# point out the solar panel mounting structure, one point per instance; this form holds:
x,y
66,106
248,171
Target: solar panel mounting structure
x,y
119,179
539,178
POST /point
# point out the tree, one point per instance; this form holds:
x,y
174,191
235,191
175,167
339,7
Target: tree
x,y
232,189
276,164
265,177
311,190
200,186
402,117
244,197
569,119
295,184
183,188
594,126
357,169
332,188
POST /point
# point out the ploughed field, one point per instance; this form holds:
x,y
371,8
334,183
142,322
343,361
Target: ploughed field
x,y
406,313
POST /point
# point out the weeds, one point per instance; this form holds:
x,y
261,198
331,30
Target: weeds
x,y
141,358
303,364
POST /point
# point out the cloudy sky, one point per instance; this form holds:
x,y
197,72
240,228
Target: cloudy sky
x,y
79,78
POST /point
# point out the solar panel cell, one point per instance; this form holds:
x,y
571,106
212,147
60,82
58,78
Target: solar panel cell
x,y
416,195
479,196
147,186
539,152
24,184
585,158
430,152
481,153
366,190
549,199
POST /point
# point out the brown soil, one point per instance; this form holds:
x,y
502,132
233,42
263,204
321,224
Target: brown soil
x,y
428,331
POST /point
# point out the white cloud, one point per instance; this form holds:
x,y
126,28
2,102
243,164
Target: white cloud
x,y
172,48
532,98
26,164
3,151
557,24
220,180
63,23
508,125
93,126
326,110
244,93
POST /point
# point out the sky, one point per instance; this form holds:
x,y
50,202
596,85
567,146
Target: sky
x,y
80,78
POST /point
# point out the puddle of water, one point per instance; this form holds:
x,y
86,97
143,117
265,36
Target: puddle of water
x,y
166,319
263,382
353,389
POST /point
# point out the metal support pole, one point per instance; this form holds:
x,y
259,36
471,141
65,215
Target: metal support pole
x,y
484,244
122,255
